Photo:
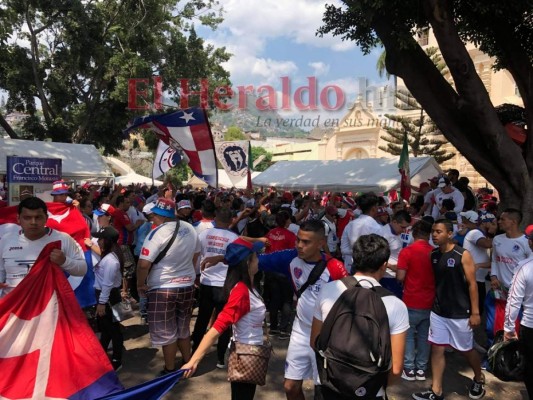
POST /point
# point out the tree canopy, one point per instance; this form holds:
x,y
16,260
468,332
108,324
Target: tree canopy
x,y
234,133
76,57
463,111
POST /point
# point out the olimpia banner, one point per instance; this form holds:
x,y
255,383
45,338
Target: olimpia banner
x,y
235,158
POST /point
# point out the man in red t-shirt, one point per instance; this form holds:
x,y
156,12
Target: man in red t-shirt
x,y
416,273
278,286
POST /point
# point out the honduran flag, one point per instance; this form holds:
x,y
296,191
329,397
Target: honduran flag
x,y
47,349
188,131
403,166
68,219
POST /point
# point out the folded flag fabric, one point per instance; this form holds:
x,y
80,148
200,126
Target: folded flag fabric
x,y
188,131
151,390
165,159
47,348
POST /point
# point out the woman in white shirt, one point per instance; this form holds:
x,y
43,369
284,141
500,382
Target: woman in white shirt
x,y
107,284
244,309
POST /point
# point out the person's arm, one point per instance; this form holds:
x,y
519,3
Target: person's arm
x,y
400,275
470,275
131,227
316,327
494,281
208,340
484,242
398,351
143,267
514,302
459,202
70,258
277,261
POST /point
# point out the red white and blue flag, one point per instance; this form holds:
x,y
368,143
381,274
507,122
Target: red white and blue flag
x,y
188,131
68,219
47,349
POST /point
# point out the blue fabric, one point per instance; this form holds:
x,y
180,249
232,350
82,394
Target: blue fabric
x,y
151,390
417,347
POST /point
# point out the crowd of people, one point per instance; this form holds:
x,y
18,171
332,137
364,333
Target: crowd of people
x,y
449,260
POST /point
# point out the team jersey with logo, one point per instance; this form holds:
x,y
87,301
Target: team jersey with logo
x,y
203,224
213,242
298,270
506,254
457,198
176,268
18,254
452,299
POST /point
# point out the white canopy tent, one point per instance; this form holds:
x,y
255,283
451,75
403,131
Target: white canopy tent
x,y
223,180
133,178
79,161
364,175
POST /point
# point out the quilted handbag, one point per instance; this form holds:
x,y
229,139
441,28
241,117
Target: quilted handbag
x,y
248,363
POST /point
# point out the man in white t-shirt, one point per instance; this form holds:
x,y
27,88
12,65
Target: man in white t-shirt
x,y
329,219
365,224
19,248
447,192
370,255
169,283
213,242
508,249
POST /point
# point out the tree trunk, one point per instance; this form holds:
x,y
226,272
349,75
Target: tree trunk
x,y
4,124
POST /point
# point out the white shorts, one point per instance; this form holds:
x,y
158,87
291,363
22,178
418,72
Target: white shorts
x,y
454,332
300,363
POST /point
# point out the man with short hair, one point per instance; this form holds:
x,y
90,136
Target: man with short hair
x,y
455,311
329,219
169,283
365,224
19,250
298,263
208,217
416,274
213,242
370,255
429,197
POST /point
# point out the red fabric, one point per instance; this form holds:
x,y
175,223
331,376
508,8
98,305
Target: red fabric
x,y
342,222
280,239
33,306
120,221
238,306
62,217
335,268
419,284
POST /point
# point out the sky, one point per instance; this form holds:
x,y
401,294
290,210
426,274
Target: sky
x,y
274,39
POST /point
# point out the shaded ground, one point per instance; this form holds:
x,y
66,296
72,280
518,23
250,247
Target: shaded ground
x,y
142,363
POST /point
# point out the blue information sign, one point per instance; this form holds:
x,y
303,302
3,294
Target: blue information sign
x,y
33,170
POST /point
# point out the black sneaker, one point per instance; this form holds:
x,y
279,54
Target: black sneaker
x,y
427,395
477,389
221,364
117,365
284,336
408,374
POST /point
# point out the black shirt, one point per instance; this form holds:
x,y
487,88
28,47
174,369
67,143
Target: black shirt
x,y
452,298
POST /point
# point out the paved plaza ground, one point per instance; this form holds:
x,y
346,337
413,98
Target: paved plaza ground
x,y
142,363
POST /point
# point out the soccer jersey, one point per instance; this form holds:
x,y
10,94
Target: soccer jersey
x,y
280,239
213,242
176,268
203,224
120,221
457,198
479,254
18,254
363,225
506,254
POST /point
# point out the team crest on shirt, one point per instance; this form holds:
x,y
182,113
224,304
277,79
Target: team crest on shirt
x,y
451,262
298,272
516,248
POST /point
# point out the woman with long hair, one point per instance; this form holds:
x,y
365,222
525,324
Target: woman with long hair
x,y
107,283
244,309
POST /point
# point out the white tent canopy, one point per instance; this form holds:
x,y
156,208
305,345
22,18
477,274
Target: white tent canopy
x,y
223,180
80,161
364,175
133,178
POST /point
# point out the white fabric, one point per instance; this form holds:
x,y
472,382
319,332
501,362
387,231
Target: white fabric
x,y
18,254
8,229
249,329
107,276
362,225
300,362
364,175
294,228
429,198
133,178
455,332
457,198
213,242
396,244
506,254
202,225
331,234
479,254
176,269
521,293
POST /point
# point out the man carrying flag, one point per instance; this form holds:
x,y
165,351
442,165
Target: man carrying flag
x,y
403,166
19,252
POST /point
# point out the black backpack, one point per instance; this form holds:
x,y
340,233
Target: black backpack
x,y
353,350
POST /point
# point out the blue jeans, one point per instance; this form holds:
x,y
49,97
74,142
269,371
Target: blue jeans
x,y
417,347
